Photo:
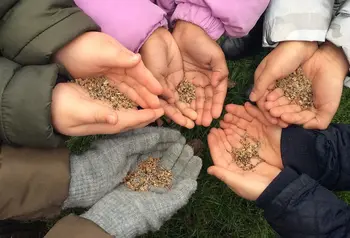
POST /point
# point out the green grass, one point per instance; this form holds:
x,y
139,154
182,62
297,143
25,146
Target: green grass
x,y
214,210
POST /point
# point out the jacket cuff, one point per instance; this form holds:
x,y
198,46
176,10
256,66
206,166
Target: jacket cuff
x,y
286,177
26,117
77,227
200,16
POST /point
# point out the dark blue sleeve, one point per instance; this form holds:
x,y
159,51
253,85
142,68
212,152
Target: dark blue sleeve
x,y
297,206
323,155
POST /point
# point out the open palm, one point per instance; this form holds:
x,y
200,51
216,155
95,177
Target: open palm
x,y
205,66
247,119
162,57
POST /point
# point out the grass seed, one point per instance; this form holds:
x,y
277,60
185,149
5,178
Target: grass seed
x,y
149,173
99,88
297,88
249,151
186,91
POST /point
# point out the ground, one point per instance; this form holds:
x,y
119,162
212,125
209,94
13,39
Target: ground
x,y
214,210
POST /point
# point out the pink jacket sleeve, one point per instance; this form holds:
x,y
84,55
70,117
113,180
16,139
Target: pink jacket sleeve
x,y
233,17
130,22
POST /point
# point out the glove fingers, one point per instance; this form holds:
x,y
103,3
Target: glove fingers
x,y
181,163
170,156
192,169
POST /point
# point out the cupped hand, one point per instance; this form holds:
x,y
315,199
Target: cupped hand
x,y
96,53
249,120
326,69
74,113
247,184
281,62
205,66
162,57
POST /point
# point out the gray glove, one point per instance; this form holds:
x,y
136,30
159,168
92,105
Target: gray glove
x,y
126,213
99,170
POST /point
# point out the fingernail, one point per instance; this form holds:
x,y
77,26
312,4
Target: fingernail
x,y
252,97
111,119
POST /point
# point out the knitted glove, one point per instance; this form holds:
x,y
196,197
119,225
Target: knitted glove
x,y
96,172
126,213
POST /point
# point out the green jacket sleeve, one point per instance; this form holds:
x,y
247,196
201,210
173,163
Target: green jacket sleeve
x,y
31,31
25,98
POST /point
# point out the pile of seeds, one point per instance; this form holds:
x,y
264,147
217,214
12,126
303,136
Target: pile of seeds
x,y
149,173
187,91
297,88
99,88
249,151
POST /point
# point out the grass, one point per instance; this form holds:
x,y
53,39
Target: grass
x,y
214,210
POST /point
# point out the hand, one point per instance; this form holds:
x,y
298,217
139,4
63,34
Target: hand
x,y
147,211
248,119
113,162
74,113
327,69
247,184
205,66
162,57
95,53
281,62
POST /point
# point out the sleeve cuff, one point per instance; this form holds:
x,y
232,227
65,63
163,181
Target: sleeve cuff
x,y
200,16
286,177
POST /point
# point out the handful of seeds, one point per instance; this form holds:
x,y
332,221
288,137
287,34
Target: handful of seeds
x,y
245,155
297,88
187,91
99,88
147,174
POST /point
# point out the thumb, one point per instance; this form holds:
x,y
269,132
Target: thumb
x,y
96,113
232,179
219,69
261,84
117,56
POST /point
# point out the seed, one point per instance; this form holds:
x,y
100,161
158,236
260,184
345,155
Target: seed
x,y
298,89
149,174
99,88
245,155
186,91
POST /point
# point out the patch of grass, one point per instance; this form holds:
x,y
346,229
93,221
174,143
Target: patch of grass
x,y
214,210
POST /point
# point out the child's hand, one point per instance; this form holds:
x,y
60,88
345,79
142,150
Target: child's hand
x,y
96,53
205,66
281,62
327,69
247,184
162,57
74,113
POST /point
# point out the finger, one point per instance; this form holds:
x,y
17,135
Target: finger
x,y
129,92
298,118
282,123
279,102
238,130
254,112
318,123
219,98
207,117
261,105
192,169
170,156
144,77
291,108
216,148
275,94
229,118
200,99
174,114
118,56
186,110
239,111
225,125
219,68
95,113
261,82
181,163
233,179
224,140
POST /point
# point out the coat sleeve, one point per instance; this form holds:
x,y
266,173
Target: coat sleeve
x,y
323,155
339,33
297,20
233,17
130,22
297,206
